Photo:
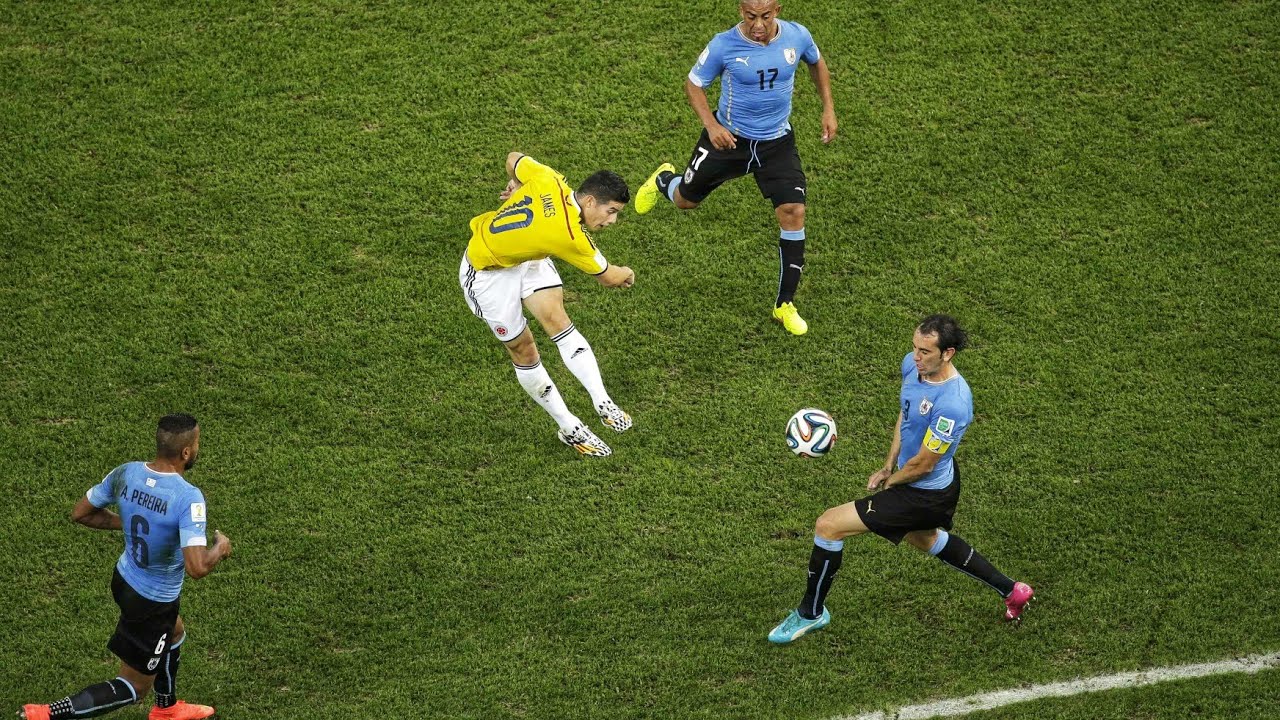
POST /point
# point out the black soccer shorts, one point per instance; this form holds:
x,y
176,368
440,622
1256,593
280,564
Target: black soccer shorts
x,y
901,509
775,164
144,630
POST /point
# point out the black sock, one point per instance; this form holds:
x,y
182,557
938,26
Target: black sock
x,y
94,700
166,679
664,181
960,556
791,262
823,565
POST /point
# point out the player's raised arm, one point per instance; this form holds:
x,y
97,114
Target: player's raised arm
x,y
91,516
720,136
513,158
822,80
91,510
513,184
201,560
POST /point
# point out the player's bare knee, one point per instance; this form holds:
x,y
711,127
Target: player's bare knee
x,y
922,540
791,216
828,528
523,350
141,683
683,203
555,322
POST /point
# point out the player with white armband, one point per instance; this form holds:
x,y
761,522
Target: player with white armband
x,y
163,518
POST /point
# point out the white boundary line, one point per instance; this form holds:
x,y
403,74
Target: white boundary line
x,y
987,701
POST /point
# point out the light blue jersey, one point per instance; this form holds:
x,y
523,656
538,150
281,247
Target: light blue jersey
x,y
162,513
755,80
934,415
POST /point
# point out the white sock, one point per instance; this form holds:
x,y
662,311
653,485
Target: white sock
x,y
581,361
537,383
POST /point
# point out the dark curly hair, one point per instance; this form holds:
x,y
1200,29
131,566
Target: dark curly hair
x,y
949,332
606,186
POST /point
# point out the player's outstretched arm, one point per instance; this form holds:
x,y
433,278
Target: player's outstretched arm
x,y
720,136
617,276
94,517
201,560
822,80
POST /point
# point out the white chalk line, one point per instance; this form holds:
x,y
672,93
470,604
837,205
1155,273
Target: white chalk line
x,y
987,701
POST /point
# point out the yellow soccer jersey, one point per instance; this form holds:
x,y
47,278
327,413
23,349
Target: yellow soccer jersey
x,y
540,219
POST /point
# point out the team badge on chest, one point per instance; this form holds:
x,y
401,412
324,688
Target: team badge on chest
x,y
925,406
790,55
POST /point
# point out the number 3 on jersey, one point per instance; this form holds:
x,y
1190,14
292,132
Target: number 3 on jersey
x,y
513,218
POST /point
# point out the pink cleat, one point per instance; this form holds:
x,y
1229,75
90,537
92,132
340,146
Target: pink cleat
x,y
1017,601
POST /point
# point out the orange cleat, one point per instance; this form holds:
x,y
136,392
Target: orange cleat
x,y
181,710
34,712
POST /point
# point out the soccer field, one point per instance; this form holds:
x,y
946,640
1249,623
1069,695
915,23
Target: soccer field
x,y
255,212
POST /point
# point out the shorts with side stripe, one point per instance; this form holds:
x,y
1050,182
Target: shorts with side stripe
x,y
496,296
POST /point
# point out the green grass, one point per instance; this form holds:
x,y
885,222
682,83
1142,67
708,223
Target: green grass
x,y
254,213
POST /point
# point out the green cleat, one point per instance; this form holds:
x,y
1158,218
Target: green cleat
x,y
647,195
790,319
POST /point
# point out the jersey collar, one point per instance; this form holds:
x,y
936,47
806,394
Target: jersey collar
x,y
573,205
920,378
153,471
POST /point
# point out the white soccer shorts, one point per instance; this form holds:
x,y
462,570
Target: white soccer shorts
x,y
495,295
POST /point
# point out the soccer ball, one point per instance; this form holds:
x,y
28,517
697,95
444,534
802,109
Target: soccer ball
x,y
811,433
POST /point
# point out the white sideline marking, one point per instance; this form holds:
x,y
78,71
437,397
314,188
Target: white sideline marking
x,y
987,701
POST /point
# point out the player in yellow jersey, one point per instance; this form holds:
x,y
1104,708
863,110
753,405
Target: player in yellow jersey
x,y
508,263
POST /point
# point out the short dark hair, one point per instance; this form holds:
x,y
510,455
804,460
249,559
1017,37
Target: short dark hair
x,y
949,332
607,186
174,434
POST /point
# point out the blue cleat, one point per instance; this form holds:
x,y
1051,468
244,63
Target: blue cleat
x,y
794,626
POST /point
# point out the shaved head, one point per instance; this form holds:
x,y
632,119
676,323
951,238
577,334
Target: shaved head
x,y
759,19
178,439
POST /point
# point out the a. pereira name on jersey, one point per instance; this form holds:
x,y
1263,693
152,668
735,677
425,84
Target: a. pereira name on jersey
x,y
146,500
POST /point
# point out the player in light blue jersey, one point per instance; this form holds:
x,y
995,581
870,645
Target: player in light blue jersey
x,y
750,132
918,485
163,518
